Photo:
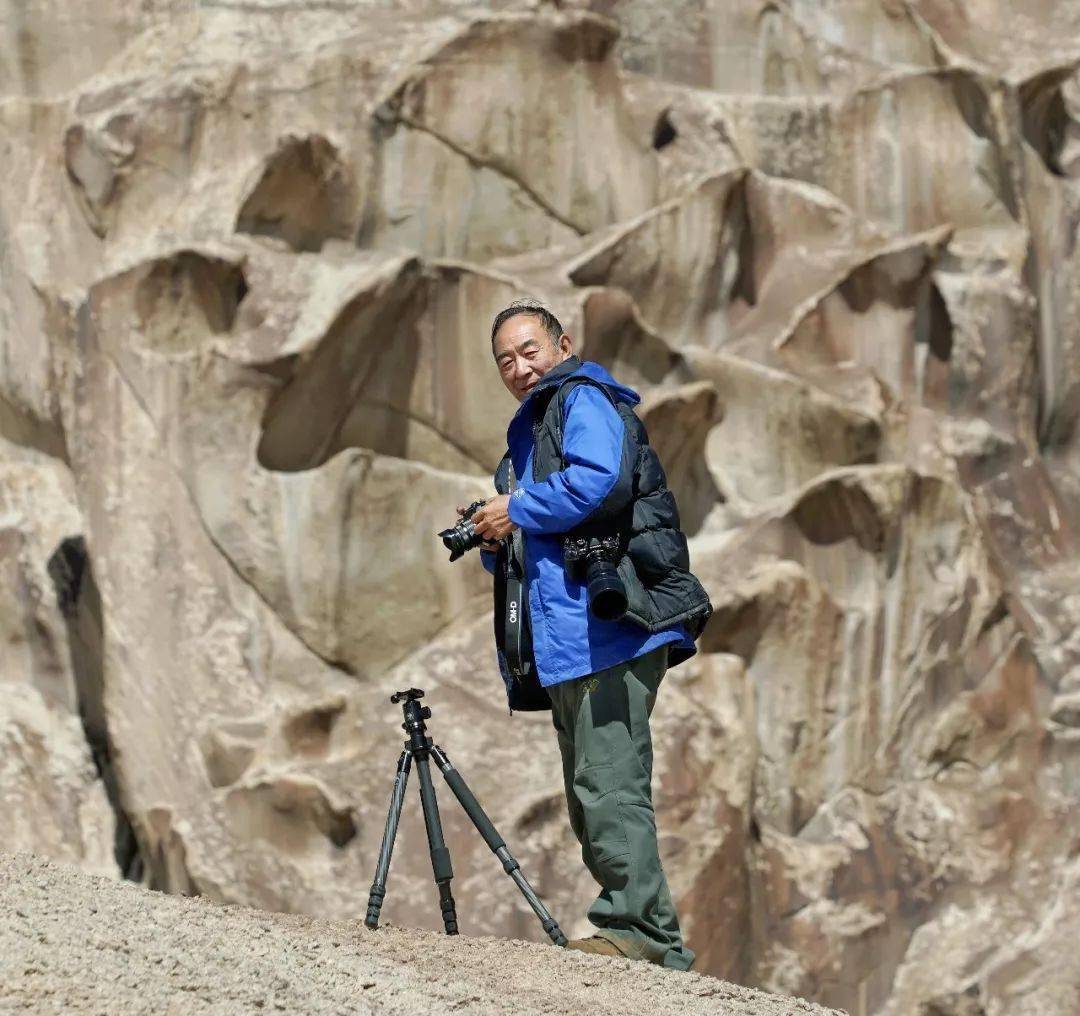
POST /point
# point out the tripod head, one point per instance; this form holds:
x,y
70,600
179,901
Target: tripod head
x,y
415,714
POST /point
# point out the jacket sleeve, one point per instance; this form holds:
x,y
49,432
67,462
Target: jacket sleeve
x,y
592,447
487,559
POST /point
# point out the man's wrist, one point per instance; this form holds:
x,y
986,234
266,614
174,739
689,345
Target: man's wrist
x,y
511,505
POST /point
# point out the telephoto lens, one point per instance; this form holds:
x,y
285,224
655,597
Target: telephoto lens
x,y
463,537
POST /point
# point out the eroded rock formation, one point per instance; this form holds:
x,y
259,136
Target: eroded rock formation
x,y
251,253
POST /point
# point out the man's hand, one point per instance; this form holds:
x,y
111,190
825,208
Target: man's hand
x,y
487,544
492,521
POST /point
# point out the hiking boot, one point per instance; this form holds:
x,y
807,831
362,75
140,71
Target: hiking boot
x,y
599,946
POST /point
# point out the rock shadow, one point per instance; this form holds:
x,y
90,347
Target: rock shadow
x,y
305,195
79,600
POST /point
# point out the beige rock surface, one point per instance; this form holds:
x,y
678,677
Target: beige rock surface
x,y
251,251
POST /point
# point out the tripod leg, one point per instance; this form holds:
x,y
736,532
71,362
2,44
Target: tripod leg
x,y
378,886
496,842
440,856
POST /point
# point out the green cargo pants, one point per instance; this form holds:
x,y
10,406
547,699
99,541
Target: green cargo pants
x,y
602,722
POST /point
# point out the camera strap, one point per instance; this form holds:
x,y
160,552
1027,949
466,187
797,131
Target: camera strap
x,y
516,649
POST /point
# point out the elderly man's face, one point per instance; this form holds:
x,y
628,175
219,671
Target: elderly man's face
x,y
524,353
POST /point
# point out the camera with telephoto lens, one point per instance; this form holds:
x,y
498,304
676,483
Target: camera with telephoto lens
x,y
593,558
462,537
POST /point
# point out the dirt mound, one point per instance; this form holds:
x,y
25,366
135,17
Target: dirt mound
x,y
77,943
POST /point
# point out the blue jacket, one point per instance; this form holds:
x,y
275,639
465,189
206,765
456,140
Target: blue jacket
x,y
568,641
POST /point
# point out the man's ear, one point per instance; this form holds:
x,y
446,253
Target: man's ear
x,y
566,345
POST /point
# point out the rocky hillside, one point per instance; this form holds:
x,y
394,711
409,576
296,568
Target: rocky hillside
x,y
250,254
76,943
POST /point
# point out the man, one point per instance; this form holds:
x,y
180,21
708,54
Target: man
x,y
578,461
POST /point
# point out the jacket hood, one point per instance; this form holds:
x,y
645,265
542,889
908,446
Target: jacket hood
x,y
622,392
572,367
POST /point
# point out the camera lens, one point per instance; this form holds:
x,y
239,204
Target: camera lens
x,y
607,595
463,536
460,538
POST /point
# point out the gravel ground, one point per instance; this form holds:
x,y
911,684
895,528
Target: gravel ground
x,y
76,943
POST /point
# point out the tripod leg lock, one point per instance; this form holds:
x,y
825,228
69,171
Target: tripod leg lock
x,y
509,862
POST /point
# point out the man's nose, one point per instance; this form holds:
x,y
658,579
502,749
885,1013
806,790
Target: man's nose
x,y
521,368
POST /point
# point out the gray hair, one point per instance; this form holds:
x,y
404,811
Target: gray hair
x,y
533,308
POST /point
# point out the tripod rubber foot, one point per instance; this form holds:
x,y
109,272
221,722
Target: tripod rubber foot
x,y
374,906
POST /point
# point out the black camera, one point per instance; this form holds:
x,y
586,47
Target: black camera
x,y
593,558
462,537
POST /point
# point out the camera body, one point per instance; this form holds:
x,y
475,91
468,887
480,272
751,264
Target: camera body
x,y
578,551
593,559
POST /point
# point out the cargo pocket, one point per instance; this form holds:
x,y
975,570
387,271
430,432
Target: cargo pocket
x,y
604,826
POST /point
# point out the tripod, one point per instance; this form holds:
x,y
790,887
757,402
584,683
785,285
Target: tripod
x,y
420,747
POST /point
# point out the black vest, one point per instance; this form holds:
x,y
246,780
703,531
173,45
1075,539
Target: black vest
x,y
655,564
